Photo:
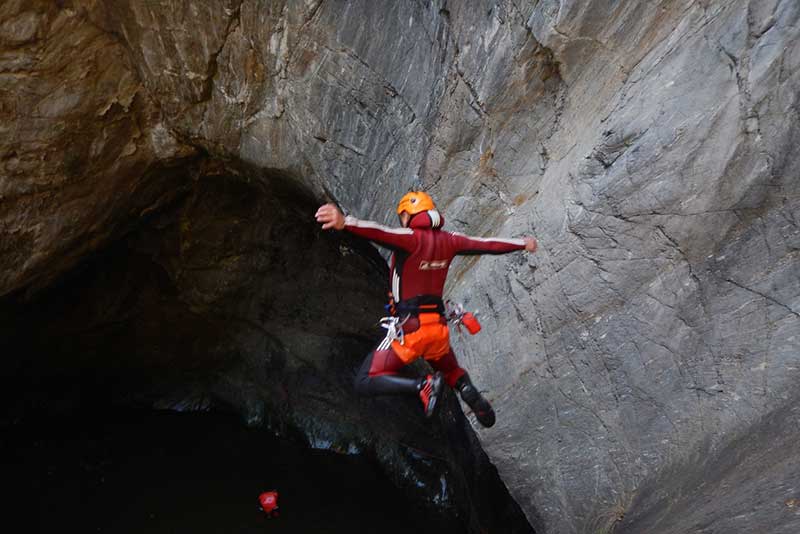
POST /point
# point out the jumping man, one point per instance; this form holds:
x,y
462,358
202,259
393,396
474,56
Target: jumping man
x,y
421,256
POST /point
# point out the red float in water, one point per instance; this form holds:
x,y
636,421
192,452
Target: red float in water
x,y
269,503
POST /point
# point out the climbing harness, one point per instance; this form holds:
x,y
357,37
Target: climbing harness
x,y
394,330
420,304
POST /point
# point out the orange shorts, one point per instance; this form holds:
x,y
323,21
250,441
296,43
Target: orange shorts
x,y
431,340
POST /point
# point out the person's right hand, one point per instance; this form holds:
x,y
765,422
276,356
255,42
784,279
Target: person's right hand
x,y
330,217
530,244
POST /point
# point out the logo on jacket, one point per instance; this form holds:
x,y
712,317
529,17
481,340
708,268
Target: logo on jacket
x,y
432,265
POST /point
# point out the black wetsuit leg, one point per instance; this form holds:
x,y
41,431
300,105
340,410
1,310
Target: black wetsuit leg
x,y
377,376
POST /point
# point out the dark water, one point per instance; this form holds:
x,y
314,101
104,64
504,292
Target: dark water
x,y
167,472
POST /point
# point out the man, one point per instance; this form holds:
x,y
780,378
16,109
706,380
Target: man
x,y
421,256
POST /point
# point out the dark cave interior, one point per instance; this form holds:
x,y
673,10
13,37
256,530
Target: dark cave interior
x,y
229,314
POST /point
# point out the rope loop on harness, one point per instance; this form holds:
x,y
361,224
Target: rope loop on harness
x,y
394,330
454,312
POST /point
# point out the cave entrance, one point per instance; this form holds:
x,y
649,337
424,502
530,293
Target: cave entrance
x,y
230,300
231,287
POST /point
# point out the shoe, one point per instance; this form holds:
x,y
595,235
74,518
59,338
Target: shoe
x,y
430,390
480,406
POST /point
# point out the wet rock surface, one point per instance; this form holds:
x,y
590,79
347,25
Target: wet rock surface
x,y
651,146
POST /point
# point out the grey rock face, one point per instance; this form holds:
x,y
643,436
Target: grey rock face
x,y
660,317
650,146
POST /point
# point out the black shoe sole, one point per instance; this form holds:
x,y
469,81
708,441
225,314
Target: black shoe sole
x,y
484,413
478,404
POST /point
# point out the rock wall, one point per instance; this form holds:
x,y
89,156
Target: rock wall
x,y
658,323
650,146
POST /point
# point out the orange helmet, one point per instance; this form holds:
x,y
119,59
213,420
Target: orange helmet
x,y
415,202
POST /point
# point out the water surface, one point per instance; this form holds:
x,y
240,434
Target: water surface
x,y
168,472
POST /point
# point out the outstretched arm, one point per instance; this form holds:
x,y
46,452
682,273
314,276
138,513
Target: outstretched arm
x,y
480,245
395,238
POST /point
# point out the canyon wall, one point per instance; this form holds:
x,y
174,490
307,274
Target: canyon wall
x,y
648,348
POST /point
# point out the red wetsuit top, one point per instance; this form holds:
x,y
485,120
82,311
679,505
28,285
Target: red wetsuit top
x,y
422,253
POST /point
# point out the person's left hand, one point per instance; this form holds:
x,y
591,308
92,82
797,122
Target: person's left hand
x,y
330,217
530,244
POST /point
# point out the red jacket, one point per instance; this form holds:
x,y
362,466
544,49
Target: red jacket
x,y
422,252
